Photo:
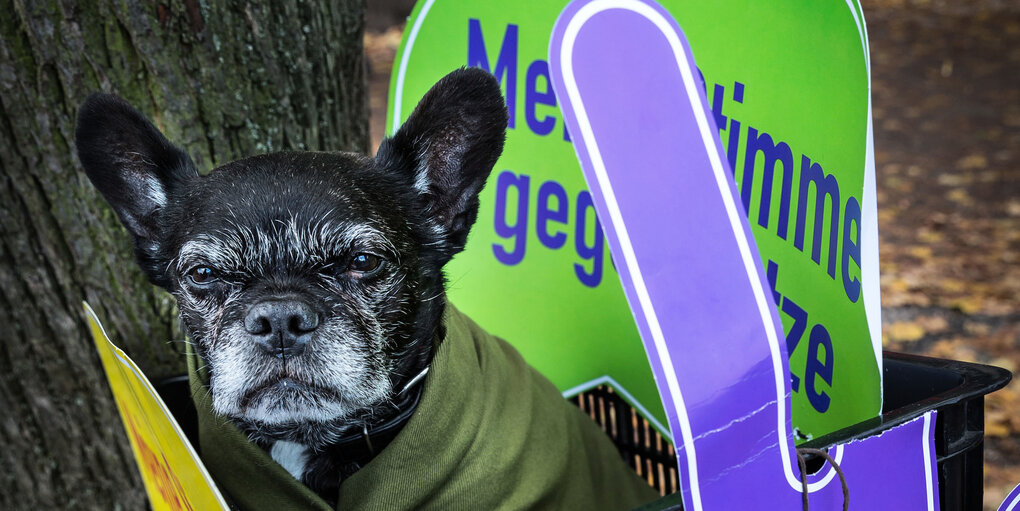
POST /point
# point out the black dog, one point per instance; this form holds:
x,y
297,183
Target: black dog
x,y
310,284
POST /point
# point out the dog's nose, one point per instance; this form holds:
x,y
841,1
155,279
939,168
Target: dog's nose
x,y
281,328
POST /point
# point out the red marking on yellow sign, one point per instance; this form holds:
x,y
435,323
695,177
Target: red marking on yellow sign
x,y
174,476
167,483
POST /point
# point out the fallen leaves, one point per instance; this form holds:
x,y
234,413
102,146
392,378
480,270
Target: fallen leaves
x,y
947,137
914,329
903,331
972,162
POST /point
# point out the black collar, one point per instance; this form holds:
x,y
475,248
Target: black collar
x,y
361,445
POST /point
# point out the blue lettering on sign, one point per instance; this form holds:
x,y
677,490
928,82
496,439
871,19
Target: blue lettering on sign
x,y
851,247
532,97
552,219
819,338
774,154
817,368
734,139
516,232
758,145
546,214
825,186
592,252
506,62
537,85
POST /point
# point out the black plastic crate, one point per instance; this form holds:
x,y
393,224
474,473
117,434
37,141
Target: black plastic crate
x,y
912,386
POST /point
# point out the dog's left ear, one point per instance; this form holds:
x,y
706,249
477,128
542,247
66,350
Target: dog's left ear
x,y
447,148
135,168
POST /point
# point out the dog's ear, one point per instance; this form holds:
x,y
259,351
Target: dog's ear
x,y
134,167
447,148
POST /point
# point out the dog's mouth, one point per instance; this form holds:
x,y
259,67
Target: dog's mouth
x,y
284,389
335,381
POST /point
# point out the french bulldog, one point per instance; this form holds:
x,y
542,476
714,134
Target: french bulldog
x,y
310,284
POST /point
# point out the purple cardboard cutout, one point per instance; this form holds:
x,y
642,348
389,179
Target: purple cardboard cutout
x,y
683,248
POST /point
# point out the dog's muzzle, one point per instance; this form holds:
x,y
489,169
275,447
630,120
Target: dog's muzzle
x,y
281,328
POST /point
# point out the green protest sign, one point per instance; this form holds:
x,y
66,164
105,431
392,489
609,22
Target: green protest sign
x,y
789,88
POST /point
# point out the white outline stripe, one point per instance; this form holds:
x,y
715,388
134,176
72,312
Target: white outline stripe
x,y
870,288
1016,500
627,396
927,462
861,35
398,88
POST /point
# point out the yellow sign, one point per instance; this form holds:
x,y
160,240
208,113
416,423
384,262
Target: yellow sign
x,y
174,476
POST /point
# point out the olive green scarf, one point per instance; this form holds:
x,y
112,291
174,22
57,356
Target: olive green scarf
x,y
490,432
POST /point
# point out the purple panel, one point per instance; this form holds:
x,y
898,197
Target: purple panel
x,y
648,146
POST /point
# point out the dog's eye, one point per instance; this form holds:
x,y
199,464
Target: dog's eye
x,y
365,264
202,275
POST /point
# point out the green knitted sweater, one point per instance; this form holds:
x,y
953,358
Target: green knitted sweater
x,y
489,433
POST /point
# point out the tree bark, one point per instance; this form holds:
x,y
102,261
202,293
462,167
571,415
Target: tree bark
x,y
222,80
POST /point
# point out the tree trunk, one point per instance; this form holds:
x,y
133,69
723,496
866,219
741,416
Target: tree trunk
x,y
222,80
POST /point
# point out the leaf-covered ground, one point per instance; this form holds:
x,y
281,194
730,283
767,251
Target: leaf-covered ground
x,y
946,96
946,99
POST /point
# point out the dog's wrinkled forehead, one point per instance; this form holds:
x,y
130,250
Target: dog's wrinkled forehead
x,y
291,243
293,211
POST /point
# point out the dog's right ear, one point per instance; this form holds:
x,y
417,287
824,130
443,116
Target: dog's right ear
x,y
447,147
135,168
